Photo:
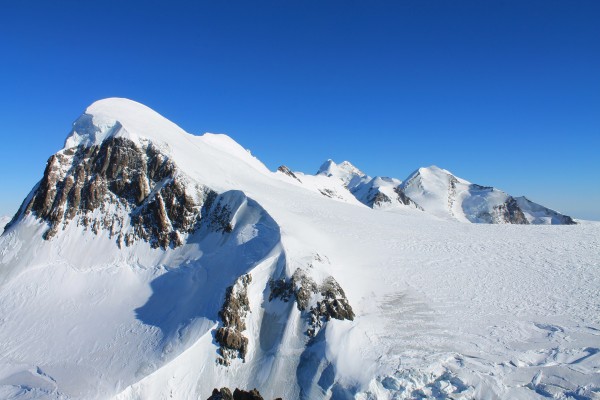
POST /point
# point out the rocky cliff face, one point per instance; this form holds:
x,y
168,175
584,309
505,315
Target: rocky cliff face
x,y
133,192
318,303
225,394
505,213
233,344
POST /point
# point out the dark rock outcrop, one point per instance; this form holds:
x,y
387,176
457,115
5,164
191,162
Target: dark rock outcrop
x,y
238,394
222,394
131,191
304,288
379,199
328,193
233,344
246,395
218,214
288,172
404,199
320,303
332,304
510,212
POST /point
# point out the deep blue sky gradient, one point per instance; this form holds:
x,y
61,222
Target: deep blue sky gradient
x,y
502,93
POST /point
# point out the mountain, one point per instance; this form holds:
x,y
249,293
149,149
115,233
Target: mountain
x,y
150,263
438,192
320,183
347,183
345,171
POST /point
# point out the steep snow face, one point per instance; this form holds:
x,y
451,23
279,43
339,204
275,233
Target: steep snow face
x,y
440,193
540,215
326,185
4,220
346,172
378,192
436,191
382,193
111,316
237,276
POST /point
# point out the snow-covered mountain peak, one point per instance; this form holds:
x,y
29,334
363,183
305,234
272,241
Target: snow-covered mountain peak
x,y
344,171
326,167
127,170
118,117
122,119
433,172
445,195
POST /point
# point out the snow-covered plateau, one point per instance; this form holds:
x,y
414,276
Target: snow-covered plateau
x,y
150,263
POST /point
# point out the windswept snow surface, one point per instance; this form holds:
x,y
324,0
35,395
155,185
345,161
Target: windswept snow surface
x,y
443,309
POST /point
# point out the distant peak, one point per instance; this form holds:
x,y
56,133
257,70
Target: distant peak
x,y
434,169
348,165
329,167
432,173
326,166
344,171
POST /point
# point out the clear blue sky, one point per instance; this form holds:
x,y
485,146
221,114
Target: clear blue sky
x,y
503,93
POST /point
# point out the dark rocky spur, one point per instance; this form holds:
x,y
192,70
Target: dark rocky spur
x,y
233,344
318,303
134,192
225,394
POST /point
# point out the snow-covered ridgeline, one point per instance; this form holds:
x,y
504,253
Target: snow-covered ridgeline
x,y
435,191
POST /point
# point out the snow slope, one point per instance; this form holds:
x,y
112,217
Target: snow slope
x,y
442,309
441,193
5,219
327,186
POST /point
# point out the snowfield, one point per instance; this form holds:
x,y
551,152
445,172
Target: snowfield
x,y
443,308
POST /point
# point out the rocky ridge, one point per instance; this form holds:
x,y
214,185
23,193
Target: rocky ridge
x,y
225,394
233,344
438,191
318,303
130,191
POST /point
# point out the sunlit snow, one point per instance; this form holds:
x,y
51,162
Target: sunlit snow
x,y
444,309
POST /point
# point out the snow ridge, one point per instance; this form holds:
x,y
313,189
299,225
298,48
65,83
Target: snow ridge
x,y
433,190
